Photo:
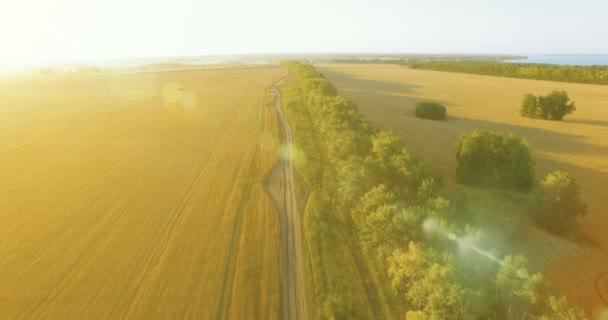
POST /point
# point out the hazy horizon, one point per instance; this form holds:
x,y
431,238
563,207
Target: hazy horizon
x,y
235,57
69,30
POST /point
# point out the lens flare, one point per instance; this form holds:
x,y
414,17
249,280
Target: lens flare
x,y
291,152
131,91
176,97
172,93
189,101
430,225
465,243
287,152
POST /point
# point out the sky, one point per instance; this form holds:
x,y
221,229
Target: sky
x,y
42,31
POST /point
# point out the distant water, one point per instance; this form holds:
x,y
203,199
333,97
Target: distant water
x,y
565,60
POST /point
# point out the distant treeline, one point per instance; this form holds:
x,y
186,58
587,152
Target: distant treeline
x,y
422,58
369,61
577,74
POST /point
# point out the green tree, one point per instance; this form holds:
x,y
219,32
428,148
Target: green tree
x,y
427,280
529,106
558,202
486,158
516,287
556,105
393,164
389,227
370,202
557,308
553,106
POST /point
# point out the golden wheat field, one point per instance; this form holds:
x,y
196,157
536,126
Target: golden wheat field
x,y
139,195
387,95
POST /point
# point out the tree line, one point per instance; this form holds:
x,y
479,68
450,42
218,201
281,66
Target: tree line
x,y
370,194
577,74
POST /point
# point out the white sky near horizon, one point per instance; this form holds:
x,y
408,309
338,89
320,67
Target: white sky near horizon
x,y
40,31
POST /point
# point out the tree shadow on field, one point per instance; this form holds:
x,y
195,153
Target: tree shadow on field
x,y
395,98
539,138
590,122
352,82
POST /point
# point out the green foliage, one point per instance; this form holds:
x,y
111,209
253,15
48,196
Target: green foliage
x,y
529,106
429,189
558,203
370,202
516,287
558,309
488,159
391,225
427,280
553,106
394,165
430,110
578,74
513,281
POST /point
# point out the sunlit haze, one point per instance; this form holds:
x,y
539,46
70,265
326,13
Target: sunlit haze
x,y
311,159
36,31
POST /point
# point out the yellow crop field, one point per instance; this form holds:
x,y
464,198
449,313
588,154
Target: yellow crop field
x,y
387,94
139,196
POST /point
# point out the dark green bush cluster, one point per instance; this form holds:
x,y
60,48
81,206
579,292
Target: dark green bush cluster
x,y
430,110
553,106
488,159
371,194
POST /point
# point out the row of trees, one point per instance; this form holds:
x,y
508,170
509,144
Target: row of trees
x,y
368,182
578,74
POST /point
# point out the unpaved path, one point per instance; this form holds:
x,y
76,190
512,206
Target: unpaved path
x,y
282,190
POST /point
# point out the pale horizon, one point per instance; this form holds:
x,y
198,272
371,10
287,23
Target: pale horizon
x,y
69,30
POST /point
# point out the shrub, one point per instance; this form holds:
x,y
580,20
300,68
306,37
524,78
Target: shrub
x,y
558,203
553,106
430,110
486,158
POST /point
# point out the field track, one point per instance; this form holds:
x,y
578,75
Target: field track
x,y
282,189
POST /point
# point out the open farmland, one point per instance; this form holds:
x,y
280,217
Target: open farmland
x,y
139,195
387,94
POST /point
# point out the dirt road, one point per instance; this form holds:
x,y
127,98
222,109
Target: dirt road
x,y
283,193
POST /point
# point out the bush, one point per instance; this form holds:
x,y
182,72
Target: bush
x,y
558,203
430,110
486,158
553,106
